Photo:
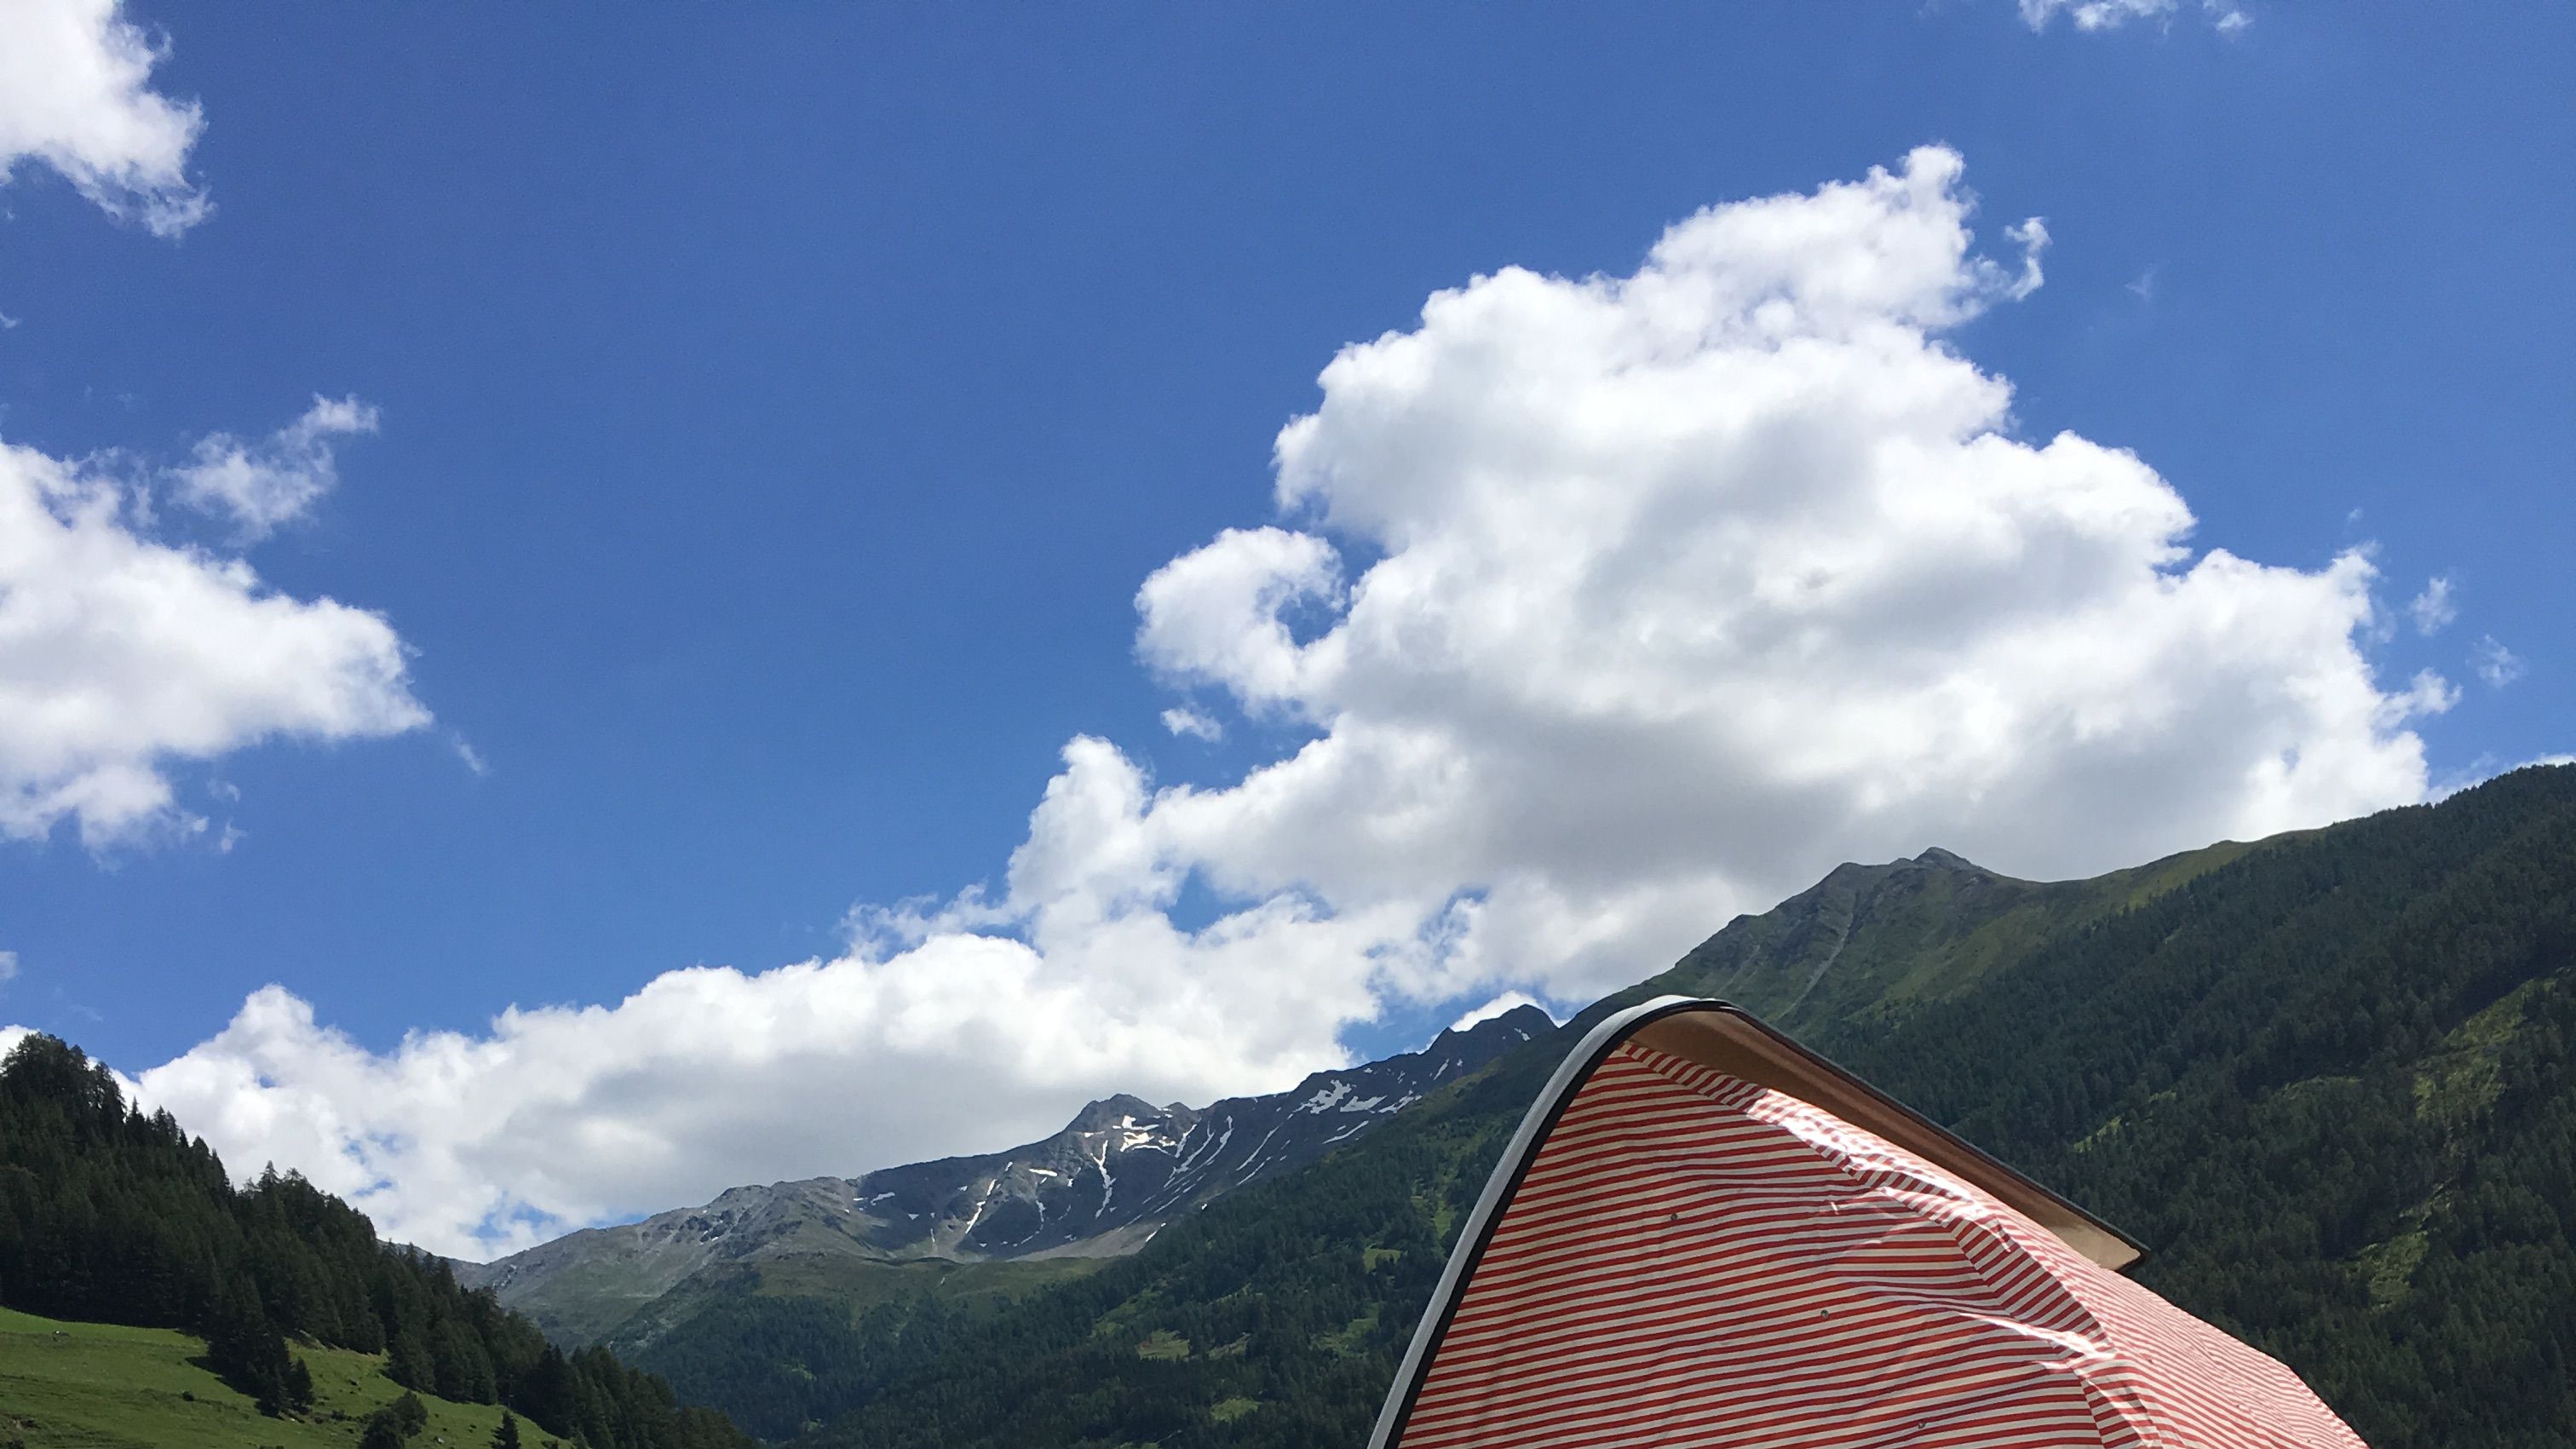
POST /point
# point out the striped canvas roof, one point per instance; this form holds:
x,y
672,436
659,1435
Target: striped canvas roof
x,y
1674,1255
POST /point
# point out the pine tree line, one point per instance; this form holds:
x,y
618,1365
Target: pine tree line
x,y
110,1215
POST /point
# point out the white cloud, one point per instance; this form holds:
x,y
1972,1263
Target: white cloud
x,y
2224,15
8,966
75,94
2433,609
1691,583
120,653
2427,693
269,481
1609,606
898,1050
2494,663
1509,1001
2031,236
1217,614
1183,720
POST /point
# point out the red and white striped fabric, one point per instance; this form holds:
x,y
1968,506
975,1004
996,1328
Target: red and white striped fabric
x,y
1692,1260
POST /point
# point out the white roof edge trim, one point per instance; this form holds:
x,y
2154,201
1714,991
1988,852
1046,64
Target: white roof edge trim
x,y
1570,1075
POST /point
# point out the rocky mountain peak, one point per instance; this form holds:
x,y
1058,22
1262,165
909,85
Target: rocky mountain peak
x,y
1520,1024
1126,1114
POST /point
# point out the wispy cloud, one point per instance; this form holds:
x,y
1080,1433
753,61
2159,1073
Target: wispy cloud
x,y
2494,663
2223,15
2031,235
2434,609
266,482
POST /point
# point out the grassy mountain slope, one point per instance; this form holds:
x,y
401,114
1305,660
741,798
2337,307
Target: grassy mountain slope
x,y
2328,1076
1868,941
120,1218
2333,1086
106,1386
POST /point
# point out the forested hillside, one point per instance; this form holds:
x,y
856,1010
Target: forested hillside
x,y
2327,1078
2332,1086
110,1216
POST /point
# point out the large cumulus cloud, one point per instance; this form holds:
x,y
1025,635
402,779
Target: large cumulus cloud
x,y
1687,584
1603,608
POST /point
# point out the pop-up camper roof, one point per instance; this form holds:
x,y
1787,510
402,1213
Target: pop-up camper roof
x,y
1705,1235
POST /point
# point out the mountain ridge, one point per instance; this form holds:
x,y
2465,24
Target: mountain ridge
x,y
1100,1187
1829,951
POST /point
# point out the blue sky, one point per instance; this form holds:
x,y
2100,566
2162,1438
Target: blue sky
x,y
777,411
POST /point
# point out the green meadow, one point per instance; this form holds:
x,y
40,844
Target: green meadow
x,y
100,1386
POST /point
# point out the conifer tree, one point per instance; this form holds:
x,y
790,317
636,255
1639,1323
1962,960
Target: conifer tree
x,y
109,1214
